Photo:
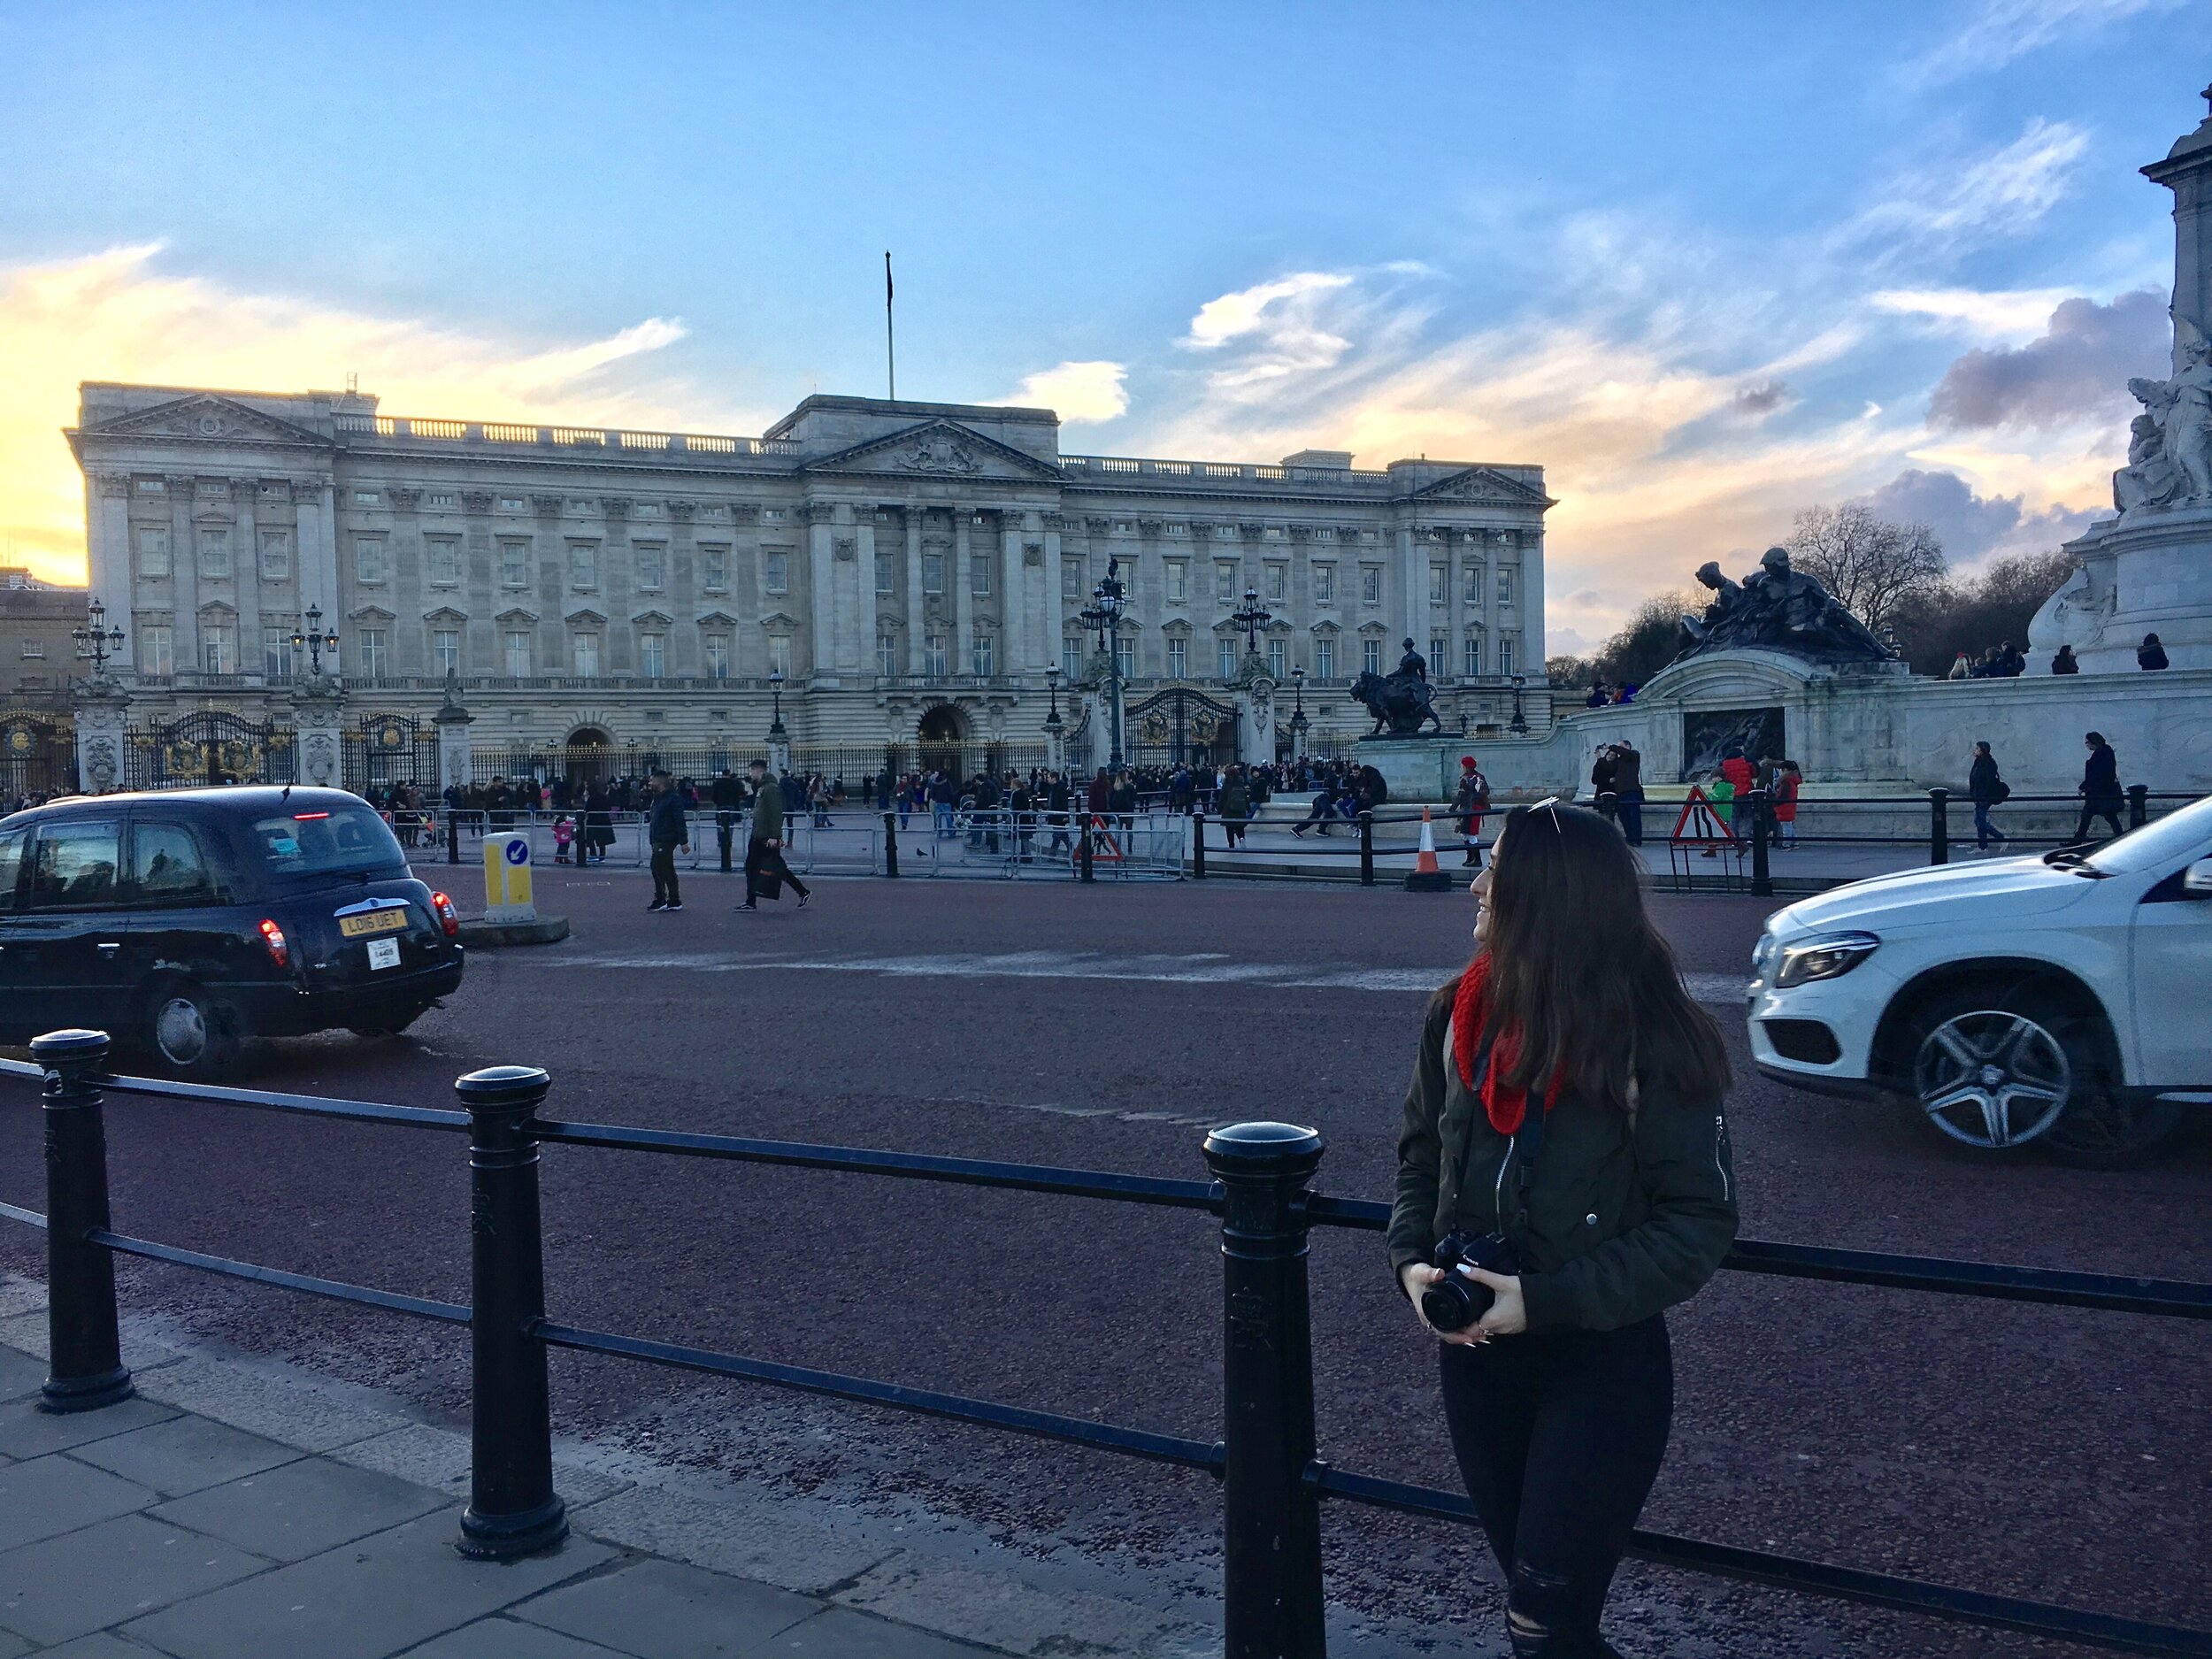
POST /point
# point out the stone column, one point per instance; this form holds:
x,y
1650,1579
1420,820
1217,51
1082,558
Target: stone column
x,y
1531,598
821,597
245,572
102,713
184,566
1051,616
2187,172
1410,585
319,708
315,533
108,544
956,591
1013,600
916,624
454,759
1494,547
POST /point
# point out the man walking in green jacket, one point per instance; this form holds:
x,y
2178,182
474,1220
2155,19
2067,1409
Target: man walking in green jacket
x,y
764,852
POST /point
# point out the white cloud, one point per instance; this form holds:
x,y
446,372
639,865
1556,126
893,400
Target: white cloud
x,y
2005,314
2003,30
1078,391
1247,311
2001,192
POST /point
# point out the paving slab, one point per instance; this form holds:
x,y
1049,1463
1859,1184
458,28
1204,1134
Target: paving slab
x,y
262,1403
301,1508
84,1581
99,1645
786,1549
841,1634
378,1596
430,1455
12,1646
46,1496
20,1374
1003,1611
659,1609
502,1639
27,1431
184,1454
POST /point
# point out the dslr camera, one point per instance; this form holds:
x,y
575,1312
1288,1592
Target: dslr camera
x,y
1455,1302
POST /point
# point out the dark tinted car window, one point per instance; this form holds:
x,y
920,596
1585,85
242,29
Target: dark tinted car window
x,y
11,865
343,841
73,864
168,867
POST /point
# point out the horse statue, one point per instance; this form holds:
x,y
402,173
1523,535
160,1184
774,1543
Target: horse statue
x,y
1402,702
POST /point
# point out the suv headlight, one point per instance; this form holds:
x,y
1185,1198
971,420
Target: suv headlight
x,y
1826,956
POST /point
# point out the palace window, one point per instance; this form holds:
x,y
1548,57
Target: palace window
x,y
780,654
514,564
886,572
1178,581
1506,654
153,552
1439,584
1325,532
771,515
445,564
887,655
718,649
652,561
1325,659
583,564
652,656
445,650
979,575
1473,656
1277,581
1370,657
276,650
585,645
1275,658
982,653
1226,582
1177,660
1439,662
1072,580
1072,655
513,503
1324,584
933,574
441,498
1126,658
215,553
218,648
934,656
276,555
775,572
1178,529
1470,590
156,649
1228,654
1371,584
1505,587
151,486
364,498
714,568
516,643
376,652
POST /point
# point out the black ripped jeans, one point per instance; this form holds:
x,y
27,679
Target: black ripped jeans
x,y
1559,1437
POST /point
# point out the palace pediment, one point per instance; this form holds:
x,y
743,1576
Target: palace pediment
x,y
936,449
1480,486
206,417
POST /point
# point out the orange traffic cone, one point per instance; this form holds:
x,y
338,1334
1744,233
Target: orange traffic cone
x,y
1427,876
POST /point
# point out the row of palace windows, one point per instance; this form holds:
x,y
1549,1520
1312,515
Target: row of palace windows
x,y
1229,656
212,553
1274,583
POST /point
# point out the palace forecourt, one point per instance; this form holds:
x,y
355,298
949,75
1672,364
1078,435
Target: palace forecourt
x,y
915,573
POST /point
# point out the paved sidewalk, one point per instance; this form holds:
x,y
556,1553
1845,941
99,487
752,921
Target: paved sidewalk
x,y
144,1529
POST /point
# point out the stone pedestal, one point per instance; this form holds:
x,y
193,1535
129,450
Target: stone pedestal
x,y
2148,571
1417,769
103,712
456,759
1255,719
319,706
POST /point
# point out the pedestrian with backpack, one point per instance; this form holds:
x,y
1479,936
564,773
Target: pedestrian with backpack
x,y
1987,790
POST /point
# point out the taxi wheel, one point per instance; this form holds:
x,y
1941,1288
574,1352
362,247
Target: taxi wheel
x,y
191,1032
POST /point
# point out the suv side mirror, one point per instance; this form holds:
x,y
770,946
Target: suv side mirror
x,y
2196,881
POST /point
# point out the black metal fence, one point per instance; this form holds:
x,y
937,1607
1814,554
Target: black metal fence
x,y
1272,1479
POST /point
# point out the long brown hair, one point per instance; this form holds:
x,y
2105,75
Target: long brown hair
x,y
1577,968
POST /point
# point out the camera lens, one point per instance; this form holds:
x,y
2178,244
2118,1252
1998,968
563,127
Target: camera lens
x,y
1446,1304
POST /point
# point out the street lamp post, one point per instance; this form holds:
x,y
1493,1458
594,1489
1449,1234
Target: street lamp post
x,y
775,693
1053,723
314,641
95,640
1251,619
1520,728
1108,601
1298,721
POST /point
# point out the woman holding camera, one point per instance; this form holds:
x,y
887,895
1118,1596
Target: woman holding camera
x,y
1564,1176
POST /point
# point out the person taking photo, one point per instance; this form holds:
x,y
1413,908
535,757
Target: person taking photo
x,y
1565,1124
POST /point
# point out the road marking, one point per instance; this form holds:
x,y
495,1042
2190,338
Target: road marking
x,y
1196,968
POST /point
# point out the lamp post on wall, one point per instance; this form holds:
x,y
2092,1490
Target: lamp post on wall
x,y
1519,729
775,719
1053,723
1298,721
95,640
314,641
1108,601
1252,618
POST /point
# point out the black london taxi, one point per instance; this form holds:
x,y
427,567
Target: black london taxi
x,y
187,922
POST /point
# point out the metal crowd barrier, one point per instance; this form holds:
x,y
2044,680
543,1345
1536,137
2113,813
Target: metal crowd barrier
x,y
1272,1479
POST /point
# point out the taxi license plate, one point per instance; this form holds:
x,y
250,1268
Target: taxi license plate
x,y
391,921
383,953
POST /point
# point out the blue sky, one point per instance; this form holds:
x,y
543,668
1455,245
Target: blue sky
x,y
1708,264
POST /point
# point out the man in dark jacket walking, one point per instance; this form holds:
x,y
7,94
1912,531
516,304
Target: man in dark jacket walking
x,y
2100,795
764,852
729,801
1987,790
1628,791
667,828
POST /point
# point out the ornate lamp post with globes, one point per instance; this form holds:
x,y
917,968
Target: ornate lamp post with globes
x,y
1053,723
1107,601
1519,729
1298,721
95,640
314,641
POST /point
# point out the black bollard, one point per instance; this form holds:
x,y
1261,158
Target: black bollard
x,y
1939,826
2139,805
1197,844
1367,849
512,1509
1083,853
890,843
84,1362
1270,1516
1762,880
725,833
452,838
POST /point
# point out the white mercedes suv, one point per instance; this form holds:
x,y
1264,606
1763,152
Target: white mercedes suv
x,y
2065,999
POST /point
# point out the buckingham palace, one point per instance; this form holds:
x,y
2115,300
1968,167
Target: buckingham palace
x,y
874,579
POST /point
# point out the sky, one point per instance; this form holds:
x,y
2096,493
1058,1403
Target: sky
x,y
1706,264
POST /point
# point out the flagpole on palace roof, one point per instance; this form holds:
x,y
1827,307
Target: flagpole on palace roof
x,y
890,342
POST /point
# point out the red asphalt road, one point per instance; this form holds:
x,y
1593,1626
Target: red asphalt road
x,y
2050,1453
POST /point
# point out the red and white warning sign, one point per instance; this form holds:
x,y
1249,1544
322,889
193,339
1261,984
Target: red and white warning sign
x,y
1701,823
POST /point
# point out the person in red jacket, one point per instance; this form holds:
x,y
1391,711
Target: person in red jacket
x,y
1787,780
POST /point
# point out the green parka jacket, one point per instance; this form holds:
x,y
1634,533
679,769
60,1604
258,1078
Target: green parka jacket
x,y
1618,1220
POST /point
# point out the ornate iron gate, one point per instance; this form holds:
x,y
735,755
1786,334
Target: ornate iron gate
x,y
37,756
1180,727
385,749
209,748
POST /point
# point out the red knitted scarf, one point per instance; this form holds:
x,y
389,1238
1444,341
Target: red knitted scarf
x,y
1504,1105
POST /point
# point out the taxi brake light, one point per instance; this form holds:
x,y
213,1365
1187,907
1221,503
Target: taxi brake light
x,y
448,917
272,936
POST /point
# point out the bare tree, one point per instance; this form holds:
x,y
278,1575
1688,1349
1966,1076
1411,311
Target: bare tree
x,y
1874,566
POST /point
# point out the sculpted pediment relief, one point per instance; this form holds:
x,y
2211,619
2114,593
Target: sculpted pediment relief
x,y
937,449
1480,484
207,417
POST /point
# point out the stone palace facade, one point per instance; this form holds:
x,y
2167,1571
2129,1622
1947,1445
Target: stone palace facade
x,y
914,571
